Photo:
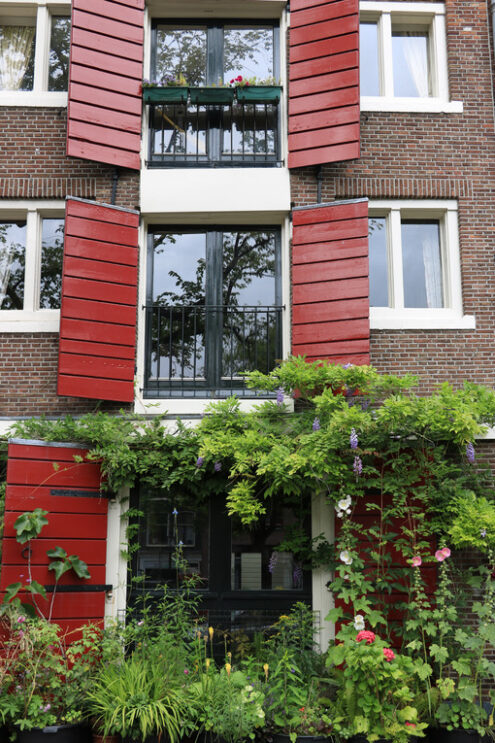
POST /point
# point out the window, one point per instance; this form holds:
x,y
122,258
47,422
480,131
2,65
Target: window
x,y
31,250
213,309
34,54
244,581
403,57
199,132
415,278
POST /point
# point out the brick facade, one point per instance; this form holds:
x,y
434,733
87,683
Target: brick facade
x,y
435,156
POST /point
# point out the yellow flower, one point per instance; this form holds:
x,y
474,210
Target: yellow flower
x,y
229,656
228,668
207,663
210,632
265,668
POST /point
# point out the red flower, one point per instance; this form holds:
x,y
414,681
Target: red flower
x,y
232,81
301,709
365,635
389,654
411,724
239,79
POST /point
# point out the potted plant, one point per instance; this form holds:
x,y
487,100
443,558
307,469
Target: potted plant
x,y
169,89
252,90
44,686
376,689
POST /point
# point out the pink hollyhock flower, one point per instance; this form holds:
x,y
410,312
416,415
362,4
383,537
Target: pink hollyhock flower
x,y
389,654
365,635
439,555
416,561
446,552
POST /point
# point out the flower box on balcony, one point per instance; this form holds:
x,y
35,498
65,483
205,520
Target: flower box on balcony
x,y
165,94
215,96
258,93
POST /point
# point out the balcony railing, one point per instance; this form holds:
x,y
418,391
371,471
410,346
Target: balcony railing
x,y
193,350
236,133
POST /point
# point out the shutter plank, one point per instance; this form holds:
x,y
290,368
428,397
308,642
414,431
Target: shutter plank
x,y
104,32
323,80
330,286
98,312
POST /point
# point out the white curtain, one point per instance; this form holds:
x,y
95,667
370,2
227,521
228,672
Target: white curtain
x,y
16,44
6,259
433,273
416,56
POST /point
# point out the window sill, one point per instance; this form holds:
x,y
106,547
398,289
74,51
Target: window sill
x,y
413,319
31,98
22,321
411,105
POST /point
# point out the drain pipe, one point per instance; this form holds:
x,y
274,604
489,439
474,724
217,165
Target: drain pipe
x,y
319,179
115,180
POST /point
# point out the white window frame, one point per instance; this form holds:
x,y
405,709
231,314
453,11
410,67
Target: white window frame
x,y
396,316
430,15
42,11
31,319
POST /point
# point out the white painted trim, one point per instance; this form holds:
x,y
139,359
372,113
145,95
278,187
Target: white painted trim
x,y
432,16
396,316
41,11
40,321
322,522
116,562
489,435
411,105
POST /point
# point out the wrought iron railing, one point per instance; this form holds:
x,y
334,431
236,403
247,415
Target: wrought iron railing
x,y
206,134
191,350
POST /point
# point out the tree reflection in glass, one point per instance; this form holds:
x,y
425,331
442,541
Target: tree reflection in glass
x,y
52,250
12,265
58,70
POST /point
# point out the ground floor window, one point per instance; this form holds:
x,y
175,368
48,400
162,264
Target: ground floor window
x,y
245,582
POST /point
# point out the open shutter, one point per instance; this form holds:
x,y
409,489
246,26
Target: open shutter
x,y
105,77
323,82
42,475
99,294
330,287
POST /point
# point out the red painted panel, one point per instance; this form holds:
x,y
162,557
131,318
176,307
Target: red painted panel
x,y
92,366
96,349
92,551
79,526
330,286
94,289
25,497
103,32
324,78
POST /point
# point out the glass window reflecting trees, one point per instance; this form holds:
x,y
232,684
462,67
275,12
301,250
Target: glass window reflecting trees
x,y
213,309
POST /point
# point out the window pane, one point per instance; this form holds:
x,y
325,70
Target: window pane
x,y
368,59
422,264
58,70
377,233
248,52
256,565
179,131
162,559
249,335
410,64
12,260
181,51
52,250
178,285
17,57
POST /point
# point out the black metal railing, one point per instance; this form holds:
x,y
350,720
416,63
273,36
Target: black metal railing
x,y
237,133
191,350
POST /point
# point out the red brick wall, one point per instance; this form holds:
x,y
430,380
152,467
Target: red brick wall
x,y
33,165
436,156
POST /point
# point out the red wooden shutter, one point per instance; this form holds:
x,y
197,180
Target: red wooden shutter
x,y
105,76
330,288
41,475
99,293
323,82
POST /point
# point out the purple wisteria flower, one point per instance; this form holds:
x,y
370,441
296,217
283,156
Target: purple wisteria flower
x,y
175,512
272,562
353,439
217,466
357,466
280,396
199,461
365,404
470,453
316,424
347,366
483,533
